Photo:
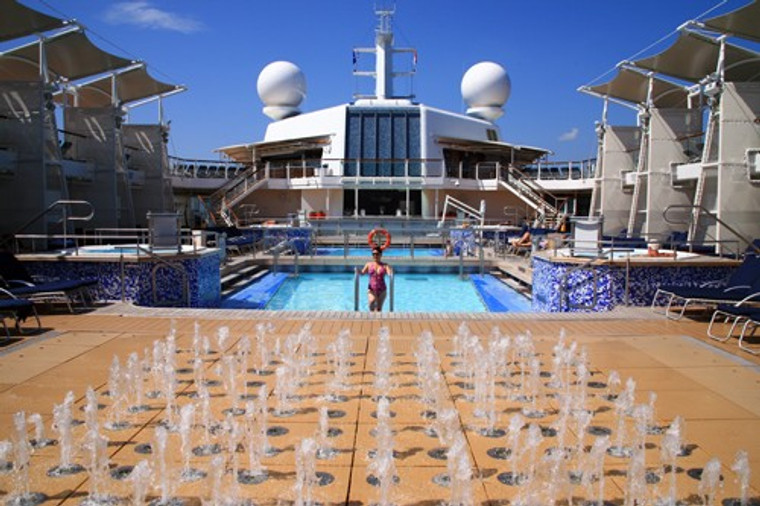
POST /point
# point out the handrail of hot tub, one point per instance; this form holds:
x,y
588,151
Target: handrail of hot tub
x,y
159,262
703,211
63,204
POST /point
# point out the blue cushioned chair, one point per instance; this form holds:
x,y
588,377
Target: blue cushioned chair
x,y
739,314
742,286
16,309
18,282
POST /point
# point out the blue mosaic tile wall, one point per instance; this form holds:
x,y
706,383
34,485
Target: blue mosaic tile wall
x,y
643,283
463,239
202,275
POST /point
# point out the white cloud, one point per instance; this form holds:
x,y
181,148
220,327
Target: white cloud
x,y
141,13
569,136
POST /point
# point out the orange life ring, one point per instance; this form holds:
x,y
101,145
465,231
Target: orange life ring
x,y
374,232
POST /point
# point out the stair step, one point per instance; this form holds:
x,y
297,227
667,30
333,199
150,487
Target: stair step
x,y
245,277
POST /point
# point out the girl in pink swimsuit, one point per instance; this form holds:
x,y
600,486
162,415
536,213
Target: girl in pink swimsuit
x,y
377,271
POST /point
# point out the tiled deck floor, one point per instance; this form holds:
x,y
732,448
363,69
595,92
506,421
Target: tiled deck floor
x,y
715,388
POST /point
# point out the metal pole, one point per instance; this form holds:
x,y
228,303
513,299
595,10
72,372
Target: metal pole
x,y
461,263
411,246
121,268
65,226
345,244
275,256
295,265
481,259
392,292
356,289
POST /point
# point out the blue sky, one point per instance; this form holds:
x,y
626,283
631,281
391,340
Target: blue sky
x,y
218,48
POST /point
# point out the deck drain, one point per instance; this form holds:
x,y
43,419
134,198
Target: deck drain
x,y
247,477
438,453
499,453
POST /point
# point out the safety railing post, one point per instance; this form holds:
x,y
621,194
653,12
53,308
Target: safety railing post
x,y
461,263
295,262
411,246
122,274
393,292
356,289
481,259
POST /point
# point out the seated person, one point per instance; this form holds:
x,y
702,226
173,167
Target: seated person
x,y
523,240
562,225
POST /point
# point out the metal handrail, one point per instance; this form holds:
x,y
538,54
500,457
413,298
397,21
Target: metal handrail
x,y
66,218
706,212
393,291
159,262
356,289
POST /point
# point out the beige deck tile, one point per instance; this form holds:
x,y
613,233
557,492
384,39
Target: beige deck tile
x,y
716,393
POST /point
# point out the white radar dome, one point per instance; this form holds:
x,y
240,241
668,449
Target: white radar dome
x,y
485,89
282,87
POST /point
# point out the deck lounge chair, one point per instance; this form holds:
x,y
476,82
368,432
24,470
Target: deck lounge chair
x,y
19,283
739,314
18,310
743,285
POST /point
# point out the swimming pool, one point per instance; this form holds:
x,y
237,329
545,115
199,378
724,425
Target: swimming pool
x,y
339,251
414,292
127,249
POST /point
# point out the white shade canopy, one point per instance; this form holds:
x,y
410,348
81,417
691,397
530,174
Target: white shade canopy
x,y
743,22
70,55
132,84
632,86
17,20
694,56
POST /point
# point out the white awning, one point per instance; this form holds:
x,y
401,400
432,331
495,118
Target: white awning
x,y
69,54
511,152
694,56
132,84
632,86
19,21
744,22
241,153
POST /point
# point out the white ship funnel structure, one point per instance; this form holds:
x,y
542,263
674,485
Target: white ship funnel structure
x,y
281,87
485,89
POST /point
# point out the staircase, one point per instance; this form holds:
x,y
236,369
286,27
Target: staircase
x,y
236,275
699,192
220,203
529,192
641,169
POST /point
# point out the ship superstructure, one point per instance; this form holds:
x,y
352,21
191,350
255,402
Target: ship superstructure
x,y
384,154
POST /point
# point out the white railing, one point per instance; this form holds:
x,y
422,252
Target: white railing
x,y
562,171
204,169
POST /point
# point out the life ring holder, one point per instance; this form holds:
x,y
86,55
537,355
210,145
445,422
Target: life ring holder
x,y
374,232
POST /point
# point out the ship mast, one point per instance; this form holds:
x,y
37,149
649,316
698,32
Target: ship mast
x,y
384,73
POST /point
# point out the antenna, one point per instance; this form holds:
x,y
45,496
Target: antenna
x,y
384,50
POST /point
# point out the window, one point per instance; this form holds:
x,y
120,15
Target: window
x,y
379,141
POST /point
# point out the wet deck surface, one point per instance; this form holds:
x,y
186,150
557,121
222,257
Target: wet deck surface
x,y
713,386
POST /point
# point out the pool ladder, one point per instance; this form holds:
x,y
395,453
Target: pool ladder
x,y
357,276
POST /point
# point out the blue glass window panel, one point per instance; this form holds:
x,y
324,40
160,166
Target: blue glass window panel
x,y
353,144
384,144
413,143
369,145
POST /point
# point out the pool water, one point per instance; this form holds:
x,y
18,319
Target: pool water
x,y
414,292
338,251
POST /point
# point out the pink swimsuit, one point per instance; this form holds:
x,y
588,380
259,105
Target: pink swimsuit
x,y
377,278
